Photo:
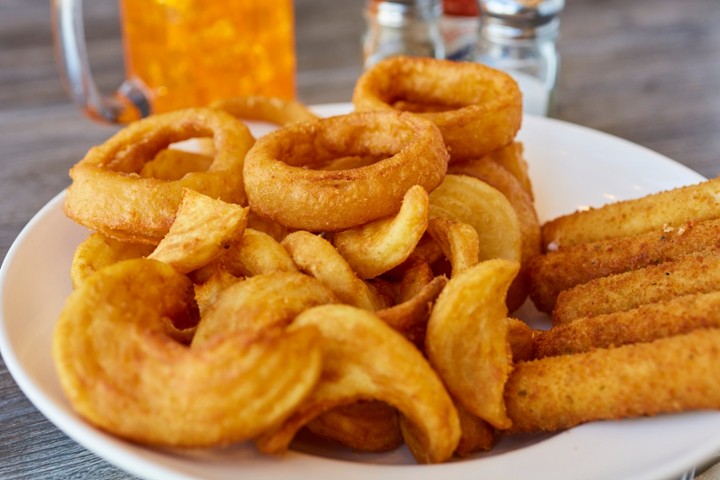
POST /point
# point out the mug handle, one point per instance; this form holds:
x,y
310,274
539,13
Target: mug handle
x,y
128,103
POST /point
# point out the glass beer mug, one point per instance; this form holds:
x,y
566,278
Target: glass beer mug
x,y
182,53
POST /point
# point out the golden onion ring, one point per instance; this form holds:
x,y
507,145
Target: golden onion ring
x,y
107,194
477,108
273,110
283,182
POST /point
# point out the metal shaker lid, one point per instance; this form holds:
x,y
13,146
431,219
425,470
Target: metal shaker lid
x,y
397,13
521,18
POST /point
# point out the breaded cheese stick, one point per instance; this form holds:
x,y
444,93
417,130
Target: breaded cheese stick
x,y
670,208
672,374
557,271
642,324
695,273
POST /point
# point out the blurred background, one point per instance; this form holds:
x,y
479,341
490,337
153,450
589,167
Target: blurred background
x,y
627,67
646,70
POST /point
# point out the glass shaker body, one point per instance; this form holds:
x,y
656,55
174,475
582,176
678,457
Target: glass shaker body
x,y
533,64
519,37
402,28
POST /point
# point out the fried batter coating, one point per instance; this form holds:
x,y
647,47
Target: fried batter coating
x,y
477,434
697,273
521,338
369,426
668,375
478,109
557,271
670,208
512,158
642,324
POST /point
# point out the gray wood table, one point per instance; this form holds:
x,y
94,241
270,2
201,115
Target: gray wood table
x,y
647,71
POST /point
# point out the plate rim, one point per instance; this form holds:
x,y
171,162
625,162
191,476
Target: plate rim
x,y
147,468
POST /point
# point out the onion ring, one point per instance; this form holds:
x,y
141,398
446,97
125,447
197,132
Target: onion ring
x,y
264,109
98,251
477,108
107,194
283,183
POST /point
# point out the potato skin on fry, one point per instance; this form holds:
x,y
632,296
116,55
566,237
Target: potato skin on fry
x,y
467,341
362,426
376,247
256,253
261,302
187,246
148,388
392,371
489,170
458,241
410,317
470,200
672,374
317,257
522,339
495,175
477,434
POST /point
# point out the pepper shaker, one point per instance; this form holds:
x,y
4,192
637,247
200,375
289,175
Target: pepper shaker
x,y
519,37
402,27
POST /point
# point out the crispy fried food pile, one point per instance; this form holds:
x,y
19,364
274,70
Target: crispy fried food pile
x,y
351,276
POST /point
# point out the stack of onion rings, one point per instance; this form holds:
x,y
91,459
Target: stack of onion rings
x,y
107,194
478,109
284,183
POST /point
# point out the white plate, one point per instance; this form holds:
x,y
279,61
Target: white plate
x,y
570,165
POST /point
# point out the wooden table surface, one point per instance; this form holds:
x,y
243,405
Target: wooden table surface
x,y
647,71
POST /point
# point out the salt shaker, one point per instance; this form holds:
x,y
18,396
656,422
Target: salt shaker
x,y
459,26
519,37
402,27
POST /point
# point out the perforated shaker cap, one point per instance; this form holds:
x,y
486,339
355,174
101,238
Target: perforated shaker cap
x,y
521,18
398,12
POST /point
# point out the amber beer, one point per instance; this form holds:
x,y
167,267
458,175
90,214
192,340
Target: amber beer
x,y
192,52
